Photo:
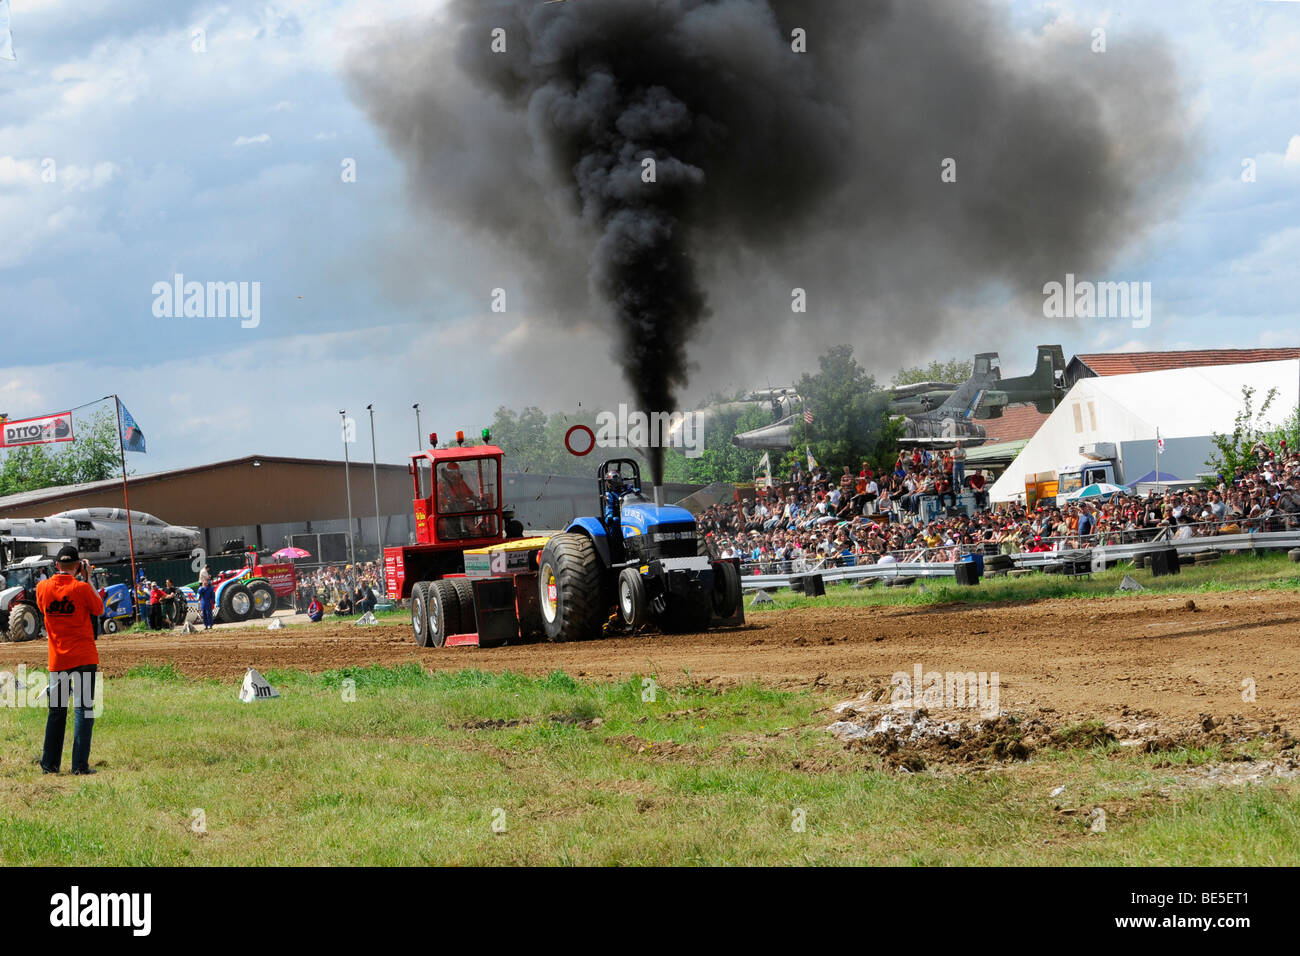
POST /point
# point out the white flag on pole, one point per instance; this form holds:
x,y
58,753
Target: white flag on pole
x,y
765,463
6,37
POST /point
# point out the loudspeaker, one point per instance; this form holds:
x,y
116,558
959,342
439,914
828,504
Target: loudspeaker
x,y
967,573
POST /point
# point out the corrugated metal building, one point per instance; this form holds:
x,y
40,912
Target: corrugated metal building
x,y
263,499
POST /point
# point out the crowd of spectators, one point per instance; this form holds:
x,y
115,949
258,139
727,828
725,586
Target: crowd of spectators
x,y
343,590
913,512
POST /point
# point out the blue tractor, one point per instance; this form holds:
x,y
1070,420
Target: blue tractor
x,y
639,562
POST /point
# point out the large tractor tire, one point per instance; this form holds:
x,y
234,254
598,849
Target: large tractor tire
x,y
570,589
465,595
263,597
633,607
24,623
236,604
687,613
177,610
420,613
727,593
444,612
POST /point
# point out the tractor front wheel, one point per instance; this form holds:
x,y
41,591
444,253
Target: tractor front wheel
x,y
631,598
24,623
569,588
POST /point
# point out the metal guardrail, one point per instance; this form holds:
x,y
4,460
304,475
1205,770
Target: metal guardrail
x,y
1250,541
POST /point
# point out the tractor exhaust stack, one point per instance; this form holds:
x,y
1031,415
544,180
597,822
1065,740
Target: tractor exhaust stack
x,y
659,496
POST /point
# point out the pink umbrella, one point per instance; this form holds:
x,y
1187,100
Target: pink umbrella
x,y
291,553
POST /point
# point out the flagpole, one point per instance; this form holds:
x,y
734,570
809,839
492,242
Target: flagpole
x,y
130,534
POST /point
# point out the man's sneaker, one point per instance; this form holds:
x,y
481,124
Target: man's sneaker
x,y
40,762
85,772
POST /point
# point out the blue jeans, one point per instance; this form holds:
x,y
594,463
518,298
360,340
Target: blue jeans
x,y
62,684
958,474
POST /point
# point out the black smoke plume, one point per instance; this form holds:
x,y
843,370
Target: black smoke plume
x,y
776,169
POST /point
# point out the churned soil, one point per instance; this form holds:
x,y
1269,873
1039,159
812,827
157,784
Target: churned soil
x,y
1167,659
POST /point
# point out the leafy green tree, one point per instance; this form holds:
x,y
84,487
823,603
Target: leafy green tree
x,y
1237,451
93,456
954,370
852,422
533,441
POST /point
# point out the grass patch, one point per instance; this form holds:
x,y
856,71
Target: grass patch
x,y
393,766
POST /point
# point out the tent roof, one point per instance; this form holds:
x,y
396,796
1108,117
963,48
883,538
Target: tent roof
x,y
1181,402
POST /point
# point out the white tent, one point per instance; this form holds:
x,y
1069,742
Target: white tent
x,y
1188,405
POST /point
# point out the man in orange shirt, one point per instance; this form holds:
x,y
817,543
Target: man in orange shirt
x,y
70,604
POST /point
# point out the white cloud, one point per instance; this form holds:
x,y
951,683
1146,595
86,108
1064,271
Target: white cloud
x,y
1293,151
250,140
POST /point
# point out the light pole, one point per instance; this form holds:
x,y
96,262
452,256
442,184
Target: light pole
x,y
419,435
374,471
347,477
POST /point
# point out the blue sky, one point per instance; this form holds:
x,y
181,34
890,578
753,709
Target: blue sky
x,y
225,165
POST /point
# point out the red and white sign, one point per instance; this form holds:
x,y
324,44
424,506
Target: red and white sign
x,y
37,431
281,577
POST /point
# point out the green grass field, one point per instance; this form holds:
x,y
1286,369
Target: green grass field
x,y
419,767
1241,572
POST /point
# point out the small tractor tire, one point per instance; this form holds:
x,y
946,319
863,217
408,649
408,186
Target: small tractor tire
x,y
420,613
727,593
24,623
110,625
570,590
632,605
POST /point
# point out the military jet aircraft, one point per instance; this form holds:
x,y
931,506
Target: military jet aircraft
x,y
100,534
1045,387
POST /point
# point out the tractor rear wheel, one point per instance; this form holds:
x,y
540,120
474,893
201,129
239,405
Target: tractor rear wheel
x,y
726,589
444,612
687,613
420,613
263,598
465,594
632,605
236,604
24,623
569,588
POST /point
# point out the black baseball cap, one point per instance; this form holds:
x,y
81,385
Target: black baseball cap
x,y
67,553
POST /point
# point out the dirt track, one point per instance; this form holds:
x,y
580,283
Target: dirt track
x,y
1145,655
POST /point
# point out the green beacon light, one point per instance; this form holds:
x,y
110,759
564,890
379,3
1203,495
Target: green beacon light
x,y
487,435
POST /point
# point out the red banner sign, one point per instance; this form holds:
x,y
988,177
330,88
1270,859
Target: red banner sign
x,y
37,431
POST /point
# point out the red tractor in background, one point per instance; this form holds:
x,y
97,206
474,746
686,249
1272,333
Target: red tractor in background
x,y
457,508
